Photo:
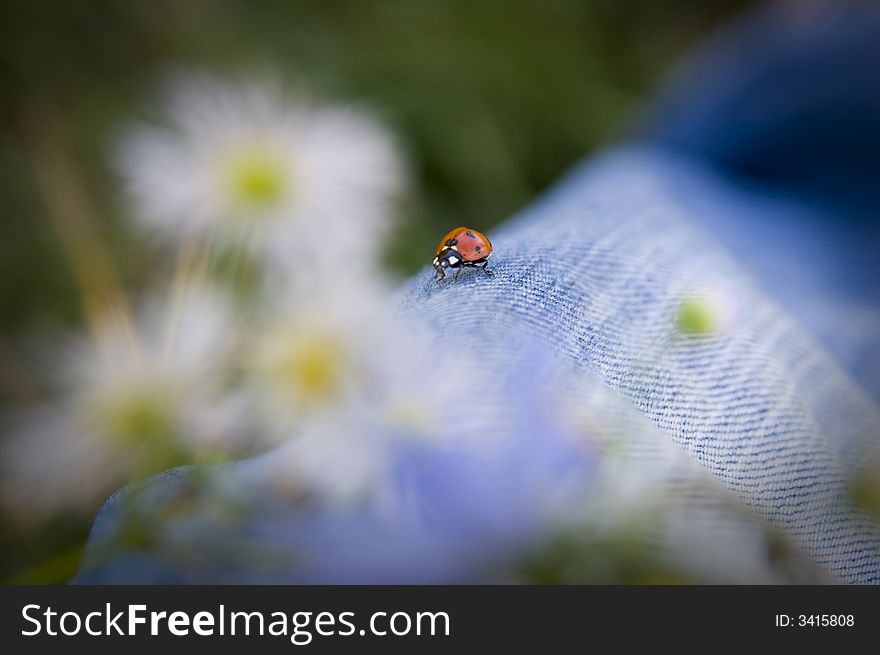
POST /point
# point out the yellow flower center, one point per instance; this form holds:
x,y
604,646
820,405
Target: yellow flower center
x,y
138,415
313,367
697,315
256,178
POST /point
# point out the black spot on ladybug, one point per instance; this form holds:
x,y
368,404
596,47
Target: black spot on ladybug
x,y
452,242
471,234
478,249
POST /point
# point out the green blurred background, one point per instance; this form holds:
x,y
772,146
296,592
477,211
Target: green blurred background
x,y
491,102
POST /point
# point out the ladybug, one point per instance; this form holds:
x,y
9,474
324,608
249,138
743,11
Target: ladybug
x,y
461,247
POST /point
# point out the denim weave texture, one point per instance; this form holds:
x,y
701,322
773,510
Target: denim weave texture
x,y
597,268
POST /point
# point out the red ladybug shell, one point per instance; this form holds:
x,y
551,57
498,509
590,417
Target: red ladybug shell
x,y
469,243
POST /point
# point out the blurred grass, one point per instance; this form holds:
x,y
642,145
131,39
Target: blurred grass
x,y
491,101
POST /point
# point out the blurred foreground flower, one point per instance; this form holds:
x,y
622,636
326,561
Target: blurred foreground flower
x,y
322,370
457,495
705,312
131,401
527,496
309,356
295,184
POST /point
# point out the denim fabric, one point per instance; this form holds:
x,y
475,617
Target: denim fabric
x,y
785,105
596,269
820,268
788,97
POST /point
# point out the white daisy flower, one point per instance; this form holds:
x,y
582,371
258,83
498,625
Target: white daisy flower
x,y
131,402
294,183
308,357
343,382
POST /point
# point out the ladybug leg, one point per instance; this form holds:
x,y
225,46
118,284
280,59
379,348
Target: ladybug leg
x,y
486,269
457,272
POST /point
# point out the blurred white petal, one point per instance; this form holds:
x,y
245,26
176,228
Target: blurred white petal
x,y
296,184
130,400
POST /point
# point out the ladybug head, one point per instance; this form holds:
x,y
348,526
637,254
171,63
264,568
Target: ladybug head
x,y
449,258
